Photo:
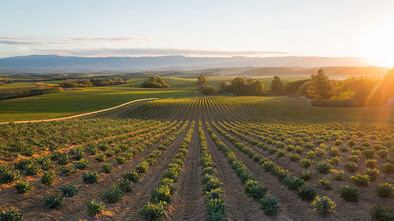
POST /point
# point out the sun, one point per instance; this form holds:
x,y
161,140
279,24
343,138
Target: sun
x,y
378,44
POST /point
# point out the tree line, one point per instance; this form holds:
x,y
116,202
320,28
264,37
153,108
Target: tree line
x,y
319,88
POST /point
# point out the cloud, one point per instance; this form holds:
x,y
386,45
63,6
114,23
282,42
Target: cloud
x,y
37,42
115,40
136,52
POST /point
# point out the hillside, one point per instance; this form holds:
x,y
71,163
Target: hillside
x,y
52,63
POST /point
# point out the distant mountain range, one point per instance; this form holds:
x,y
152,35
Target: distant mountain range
x,y
60,64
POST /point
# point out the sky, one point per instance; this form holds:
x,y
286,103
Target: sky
x,y
333,28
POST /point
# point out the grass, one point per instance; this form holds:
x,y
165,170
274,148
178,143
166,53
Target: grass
x,y
78,101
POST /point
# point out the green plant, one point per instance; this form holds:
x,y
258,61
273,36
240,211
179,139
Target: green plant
x,y
306,163
323,205
294,156
349,193
67,170
382,213
24,186
360,180
153,211
107,167
338,174
351,166
270,205
121,159
324,167
54,201
48,178
372,173
351,143
306,192
370,163
280,153
10,214
142,167
161,194
132,175
124,185
101,157
254,189
82,164
383,153
69,190
326,184
384,190
95,208
91,177
306,175
215,209
293,182
113,195
8,173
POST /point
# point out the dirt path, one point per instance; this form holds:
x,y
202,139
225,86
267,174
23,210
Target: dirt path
x,y
188,199
90,114
239,206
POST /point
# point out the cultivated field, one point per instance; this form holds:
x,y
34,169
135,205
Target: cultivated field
x,y
199,158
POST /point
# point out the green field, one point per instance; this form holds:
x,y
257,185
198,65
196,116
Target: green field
x,y
165,155
83,100
78,101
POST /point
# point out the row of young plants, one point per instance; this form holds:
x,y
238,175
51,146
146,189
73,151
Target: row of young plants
x,y
115,193
213,192
45,164
293,182
161,196
165,108
346,192
31,138
120,188
334,153
325,166
269,204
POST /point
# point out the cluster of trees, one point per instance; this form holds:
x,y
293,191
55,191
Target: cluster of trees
x,y
240,86
154,82
92,83
357,91
204,87
4,81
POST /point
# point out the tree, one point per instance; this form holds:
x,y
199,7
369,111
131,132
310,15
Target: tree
x,y
202,81
321,87
154,82
255,88
208,90
276,85
225,86
237,84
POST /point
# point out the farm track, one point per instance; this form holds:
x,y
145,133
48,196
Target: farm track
x,y
188,200
239,205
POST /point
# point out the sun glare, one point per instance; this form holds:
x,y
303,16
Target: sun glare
x,y
378,44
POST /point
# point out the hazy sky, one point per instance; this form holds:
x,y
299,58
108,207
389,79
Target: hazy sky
x,y
194,28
